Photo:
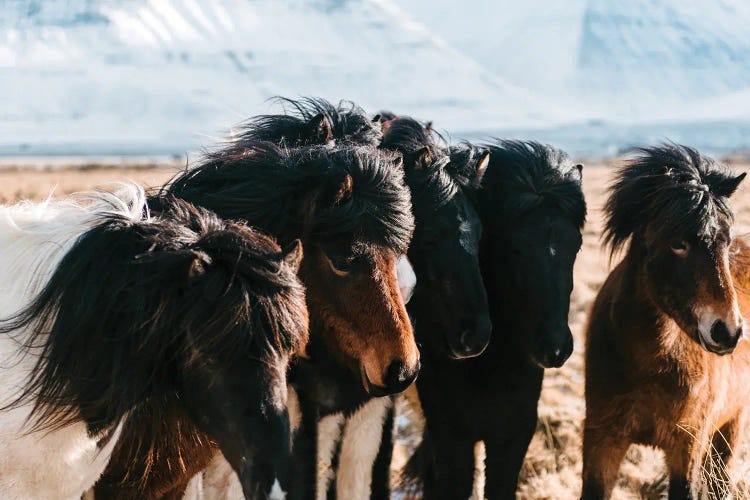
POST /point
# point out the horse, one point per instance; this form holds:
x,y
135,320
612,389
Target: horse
x,y
664,365
532,210
351,210
312,121
449,302
110,312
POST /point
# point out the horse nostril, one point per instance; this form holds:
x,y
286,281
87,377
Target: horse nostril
x,y
720,333
474,340
396,374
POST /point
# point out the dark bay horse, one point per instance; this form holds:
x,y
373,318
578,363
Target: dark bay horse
x,y
532,210
351,210
111,312
664,363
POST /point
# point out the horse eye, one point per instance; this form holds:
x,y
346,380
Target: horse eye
x,y
341,265
680,247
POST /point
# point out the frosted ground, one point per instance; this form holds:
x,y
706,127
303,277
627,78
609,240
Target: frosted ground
x,y
167,76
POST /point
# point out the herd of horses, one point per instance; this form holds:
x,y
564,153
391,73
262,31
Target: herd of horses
x,y
243,330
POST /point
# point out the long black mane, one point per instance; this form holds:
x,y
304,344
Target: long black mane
x,y
348,123
134,300
526,174
450,170
671,186
293,193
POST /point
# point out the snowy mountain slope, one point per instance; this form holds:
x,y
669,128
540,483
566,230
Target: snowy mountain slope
x,y
631,61
167,75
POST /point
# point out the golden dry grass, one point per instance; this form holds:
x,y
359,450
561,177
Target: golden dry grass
x,y
553,463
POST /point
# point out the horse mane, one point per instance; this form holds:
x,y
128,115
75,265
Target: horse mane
x,y
348,123
672,188
139,295
523,175
450,169
294,193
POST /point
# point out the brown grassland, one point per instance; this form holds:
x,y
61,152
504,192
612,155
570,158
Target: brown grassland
x,y
553,463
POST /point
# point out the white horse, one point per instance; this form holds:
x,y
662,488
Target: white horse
x,y
107,311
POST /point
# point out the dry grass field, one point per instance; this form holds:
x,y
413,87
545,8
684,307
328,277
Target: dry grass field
x,y
553,463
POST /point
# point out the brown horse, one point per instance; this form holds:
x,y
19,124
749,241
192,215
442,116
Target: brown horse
x,y
663,363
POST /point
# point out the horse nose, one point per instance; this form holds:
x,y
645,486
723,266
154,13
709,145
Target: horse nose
x,y
473,341
555,354
399,376
722,336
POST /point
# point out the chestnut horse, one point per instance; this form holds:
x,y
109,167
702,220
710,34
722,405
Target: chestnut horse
x,y
352,212
663,363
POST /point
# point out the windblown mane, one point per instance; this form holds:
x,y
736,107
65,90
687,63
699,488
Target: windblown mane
x,y
349,123
671,188
290,192
523,175
451,170
134,296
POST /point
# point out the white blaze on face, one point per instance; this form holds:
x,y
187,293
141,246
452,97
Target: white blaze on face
x,y
707,317
407,280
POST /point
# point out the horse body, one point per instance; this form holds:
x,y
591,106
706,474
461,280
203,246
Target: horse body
x,y
677,402
663,363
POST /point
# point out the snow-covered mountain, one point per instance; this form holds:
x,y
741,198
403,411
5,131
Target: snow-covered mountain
x,y
631,61
168,75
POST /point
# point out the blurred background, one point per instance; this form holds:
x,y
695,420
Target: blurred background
x,y
164,77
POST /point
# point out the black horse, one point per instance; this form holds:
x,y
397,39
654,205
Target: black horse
x,y
449,304
312,121
532,209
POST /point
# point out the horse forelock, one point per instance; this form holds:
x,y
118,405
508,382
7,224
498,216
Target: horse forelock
x,y
279,189
671,189
523,175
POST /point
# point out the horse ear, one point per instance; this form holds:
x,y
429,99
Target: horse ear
x,y
729,186
319,129
376,118
482,164
421,158
578,171
292,255
345,190
428,127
